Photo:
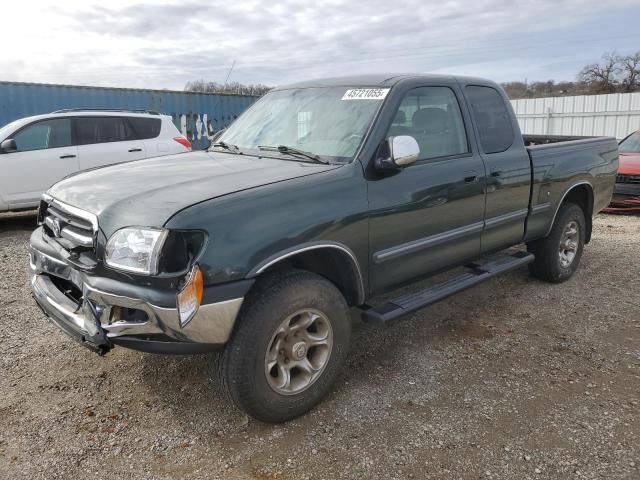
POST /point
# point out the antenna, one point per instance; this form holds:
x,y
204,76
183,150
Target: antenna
x,y
229,73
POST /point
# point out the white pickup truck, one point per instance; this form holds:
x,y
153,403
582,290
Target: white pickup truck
x,y
36,152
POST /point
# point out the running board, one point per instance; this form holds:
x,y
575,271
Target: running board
x,y
478,273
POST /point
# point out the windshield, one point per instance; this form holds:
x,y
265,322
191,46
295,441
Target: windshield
x,y
329,122
631,144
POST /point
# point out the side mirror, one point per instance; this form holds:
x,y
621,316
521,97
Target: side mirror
x,y
397,152
8,146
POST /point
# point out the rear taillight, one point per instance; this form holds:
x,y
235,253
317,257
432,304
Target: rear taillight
x,y
184,142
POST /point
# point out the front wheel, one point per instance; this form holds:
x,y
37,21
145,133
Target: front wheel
x,y
558,255
291,339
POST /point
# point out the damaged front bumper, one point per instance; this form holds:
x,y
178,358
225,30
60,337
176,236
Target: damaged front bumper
x,y
626,199
623,204
125,315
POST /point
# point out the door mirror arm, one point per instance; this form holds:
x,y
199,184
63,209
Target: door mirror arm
x,y
397,152
8,146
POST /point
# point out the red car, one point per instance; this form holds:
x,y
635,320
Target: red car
x,y
626,195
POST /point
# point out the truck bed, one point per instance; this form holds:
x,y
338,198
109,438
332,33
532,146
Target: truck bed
x,y
558,163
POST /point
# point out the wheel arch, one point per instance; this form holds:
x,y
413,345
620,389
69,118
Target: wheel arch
x,y
581,194
332,260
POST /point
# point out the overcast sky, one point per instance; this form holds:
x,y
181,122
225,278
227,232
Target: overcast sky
x,y
164,44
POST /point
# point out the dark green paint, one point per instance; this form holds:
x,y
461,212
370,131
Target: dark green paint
x,y
255,208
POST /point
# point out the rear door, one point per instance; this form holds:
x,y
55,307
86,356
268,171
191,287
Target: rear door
x,y
508,167
429,215
45,154
106,140
147,130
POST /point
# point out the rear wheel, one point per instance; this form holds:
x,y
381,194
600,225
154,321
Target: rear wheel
x,y
558,255
287,349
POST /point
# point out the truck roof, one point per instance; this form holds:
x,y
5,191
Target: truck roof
x,y
379,80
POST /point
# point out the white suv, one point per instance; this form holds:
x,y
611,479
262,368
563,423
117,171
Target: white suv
x,y
36,152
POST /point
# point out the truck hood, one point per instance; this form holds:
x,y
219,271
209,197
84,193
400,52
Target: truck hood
x,y
148,192
629,163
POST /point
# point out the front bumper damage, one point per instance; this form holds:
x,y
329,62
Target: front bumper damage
x,y
626,199
624,202
101,319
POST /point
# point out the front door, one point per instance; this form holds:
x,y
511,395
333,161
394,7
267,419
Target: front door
x,y
430,215
45,154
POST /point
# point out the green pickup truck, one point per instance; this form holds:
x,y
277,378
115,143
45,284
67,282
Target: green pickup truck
x,y
319,198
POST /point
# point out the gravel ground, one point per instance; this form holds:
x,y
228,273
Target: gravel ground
x,y
513,379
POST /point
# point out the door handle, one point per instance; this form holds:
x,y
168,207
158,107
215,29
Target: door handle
x,y
135,150
470,177
68,156
496,173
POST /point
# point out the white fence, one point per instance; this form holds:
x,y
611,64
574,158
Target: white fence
x,y
614,115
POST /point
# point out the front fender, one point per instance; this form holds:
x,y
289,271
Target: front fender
x,y
249,229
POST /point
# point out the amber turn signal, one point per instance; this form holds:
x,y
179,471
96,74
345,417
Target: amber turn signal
x,y
190,297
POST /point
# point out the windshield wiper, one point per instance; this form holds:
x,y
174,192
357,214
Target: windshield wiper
x,y
293,151
226,146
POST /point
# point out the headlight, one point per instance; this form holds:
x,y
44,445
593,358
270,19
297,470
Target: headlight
x,y
135,249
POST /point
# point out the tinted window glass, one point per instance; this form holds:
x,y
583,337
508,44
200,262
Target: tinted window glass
x,y
432,116
144,128
45,134
102,130
492,119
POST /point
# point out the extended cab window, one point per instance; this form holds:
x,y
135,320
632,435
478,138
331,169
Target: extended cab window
x,y
102,130
492,119
432,116
45,134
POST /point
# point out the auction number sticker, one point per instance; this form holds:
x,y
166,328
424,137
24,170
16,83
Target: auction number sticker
x,y
365,94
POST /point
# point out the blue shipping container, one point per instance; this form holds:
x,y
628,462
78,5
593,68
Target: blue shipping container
x,y
197,115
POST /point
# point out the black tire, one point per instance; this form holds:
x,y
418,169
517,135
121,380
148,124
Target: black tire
x,y
241,367
548,265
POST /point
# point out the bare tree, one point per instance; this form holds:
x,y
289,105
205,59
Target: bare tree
x,y
516,90
550,88
602,77
630,70
612,74
615,73
543,89
228,88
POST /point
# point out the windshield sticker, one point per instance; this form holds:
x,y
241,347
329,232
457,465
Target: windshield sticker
x,y
365,94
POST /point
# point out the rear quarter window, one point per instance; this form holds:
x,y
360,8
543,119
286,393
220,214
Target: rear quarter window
x,y
492,118
145,128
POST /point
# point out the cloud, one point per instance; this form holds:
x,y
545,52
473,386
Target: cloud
x,y
164,44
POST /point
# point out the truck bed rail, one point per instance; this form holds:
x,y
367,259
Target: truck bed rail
x,y
530,140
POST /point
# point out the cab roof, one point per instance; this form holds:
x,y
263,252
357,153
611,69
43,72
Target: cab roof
x,y
379,80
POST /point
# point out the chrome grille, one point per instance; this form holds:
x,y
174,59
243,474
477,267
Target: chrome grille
x,y
633,179
71,227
